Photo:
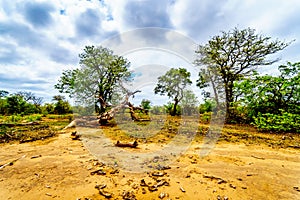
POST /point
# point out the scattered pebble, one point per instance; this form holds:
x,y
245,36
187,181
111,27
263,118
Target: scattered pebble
x,y
296,188
163,195
182,189
232,186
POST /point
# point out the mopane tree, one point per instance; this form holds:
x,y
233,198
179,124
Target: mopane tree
x,y
173,84
233,55
98,78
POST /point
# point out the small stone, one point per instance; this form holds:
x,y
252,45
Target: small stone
x,y
296,188
182,189
162,195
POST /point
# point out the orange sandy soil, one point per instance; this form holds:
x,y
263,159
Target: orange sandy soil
x,y
60,168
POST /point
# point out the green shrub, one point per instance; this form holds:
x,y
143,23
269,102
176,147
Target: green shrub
x,y
14,118
285,122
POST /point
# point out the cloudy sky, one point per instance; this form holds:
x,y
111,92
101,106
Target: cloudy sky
x,y
39,39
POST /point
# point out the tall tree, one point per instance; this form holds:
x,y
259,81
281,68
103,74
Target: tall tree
x,y
97,80
234,55
173,84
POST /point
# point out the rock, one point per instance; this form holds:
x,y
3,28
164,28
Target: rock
x,y
152,188
220,181
296,188
158,174
98,172
99,187
105,194
182,189
128,195
143,183
163,195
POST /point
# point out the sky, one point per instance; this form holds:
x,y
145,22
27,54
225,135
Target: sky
x,y
39,39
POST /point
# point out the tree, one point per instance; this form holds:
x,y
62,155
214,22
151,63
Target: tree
x,y
3,93
97,80
30,98
189,102
15,104
173,84
146,104
271,94
61,106
233,55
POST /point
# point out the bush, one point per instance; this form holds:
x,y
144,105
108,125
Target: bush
x,y
285,122
169,108
14,118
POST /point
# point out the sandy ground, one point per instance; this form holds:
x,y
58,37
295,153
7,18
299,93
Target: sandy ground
x,y
62,168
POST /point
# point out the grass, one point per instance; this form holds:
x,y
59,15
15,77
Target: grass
x,y
48,126
161,129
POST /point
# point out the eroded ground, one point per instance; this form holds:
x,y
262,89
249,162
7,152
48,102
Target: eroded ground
x,y
62,168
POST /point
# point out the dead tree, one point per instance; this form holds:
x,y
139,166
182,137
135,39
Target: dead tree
x,y
109,115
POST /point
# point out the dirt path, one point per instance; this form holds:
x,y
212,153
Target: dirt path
x,y
60,168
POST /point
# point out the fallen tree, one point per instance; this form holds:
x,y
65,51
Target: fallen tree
x,y
109,115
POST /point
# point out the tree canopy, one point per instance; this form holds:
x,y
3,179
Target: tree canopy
x,y
97,80
173,84
233,55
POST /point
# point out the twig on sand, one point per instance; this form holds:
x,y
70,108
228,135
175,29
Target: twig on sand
x,y
261,158
11,162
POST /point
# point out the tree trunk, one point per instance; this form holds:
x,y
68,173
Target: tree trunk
x,y
109,115
173,113
229,101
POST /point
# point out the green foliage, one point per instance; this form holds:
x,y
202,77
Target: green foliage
x,y
205,117
20,103
283,122
169,108
266,94
173,84
146,104
208,106
61,106
189,103
271,103
231,56
97,80
157,110
48,108
32,118
3,93
14,118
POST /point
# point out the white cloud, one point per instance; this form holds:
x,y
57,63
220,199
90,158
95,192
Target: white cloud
x,y
39,49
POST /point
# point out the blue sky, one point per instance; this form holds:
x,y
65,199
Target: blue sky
x,y
39,39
